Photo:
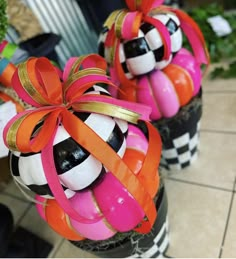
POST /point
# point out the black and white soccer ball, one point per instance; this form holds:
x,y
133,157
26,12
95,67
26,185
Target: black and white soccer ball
x,y
145,53
77,169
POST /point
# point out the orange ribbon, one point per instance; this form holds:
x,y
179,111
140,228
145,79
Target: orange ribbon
x,y
119,22
7,70
36,81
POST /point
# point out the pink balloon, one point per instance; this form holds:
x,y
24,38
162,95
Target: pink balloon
x,y
84,202
157,91
136,139
145,96
118,206
187,61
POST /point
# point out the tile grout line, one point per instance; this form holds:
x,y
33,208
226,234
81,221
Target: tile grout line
x,y
219,92
57,248
218,131
15,197
198,184
23,215
227,220
17,224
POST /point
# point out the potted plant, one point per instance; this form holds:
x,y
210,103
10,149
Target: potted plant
x,y
3,19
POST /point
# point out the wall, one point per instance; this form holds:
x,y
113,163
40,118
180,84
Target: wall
x,y
66,19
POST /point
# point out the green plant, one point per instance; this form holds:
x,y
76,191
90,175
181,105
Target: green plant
x,y
219,47
226,73
3,19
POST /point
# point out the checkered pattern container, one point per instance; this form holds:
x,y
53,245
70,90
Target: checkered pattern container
x,y
151,245
180,136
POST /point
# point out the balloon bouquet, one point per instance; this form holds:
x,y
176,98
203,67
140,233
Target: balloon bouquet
x,y
143,46
91,159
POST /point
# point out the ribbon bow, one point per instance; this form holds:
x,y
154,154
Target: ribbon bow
x,y
124,25
37,82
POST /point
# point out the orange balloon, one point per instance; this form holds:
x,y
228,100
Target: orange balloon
x,y
182,82
134,160
6,98
59,221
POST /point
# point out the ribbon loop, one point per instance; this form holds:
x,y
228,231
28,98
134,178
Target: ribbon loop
x,y
37,82
143,6
74,64
192,32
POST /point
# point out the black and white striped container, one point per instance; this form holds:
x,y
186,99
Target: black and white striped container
x,y
180,136
134,245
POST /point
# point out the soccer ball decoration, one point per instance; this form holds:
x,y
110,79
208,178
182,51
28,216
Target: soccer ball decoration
x,y
145,52
82,152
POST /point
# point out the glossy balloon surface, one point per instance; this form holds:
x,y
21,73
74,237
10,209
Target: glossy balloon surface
x,y
136,139
117,205
157,90
136,150
187,61
182,82
56,218
77,169
135,156
85,204
59,221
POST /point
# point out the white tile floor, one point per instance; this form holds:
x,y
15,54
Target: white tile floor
x,y
202,203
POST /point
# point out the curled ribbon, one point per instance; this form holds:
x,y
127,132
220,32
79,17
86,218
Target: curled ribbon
x,y
192,32
37,82
125,24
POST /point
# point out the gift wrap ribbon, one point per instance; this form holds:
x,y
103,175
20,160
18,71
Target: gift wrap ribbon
x,y
7,70
124,25
37,82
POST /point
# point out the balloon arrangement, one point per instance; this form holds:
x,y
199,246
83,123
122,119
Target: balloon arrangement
x,y
94,171
143,46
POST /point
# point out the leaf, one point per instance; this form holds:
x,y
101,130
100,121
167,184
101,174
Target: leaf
x,y
217,73
3,19
220,72
219,48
